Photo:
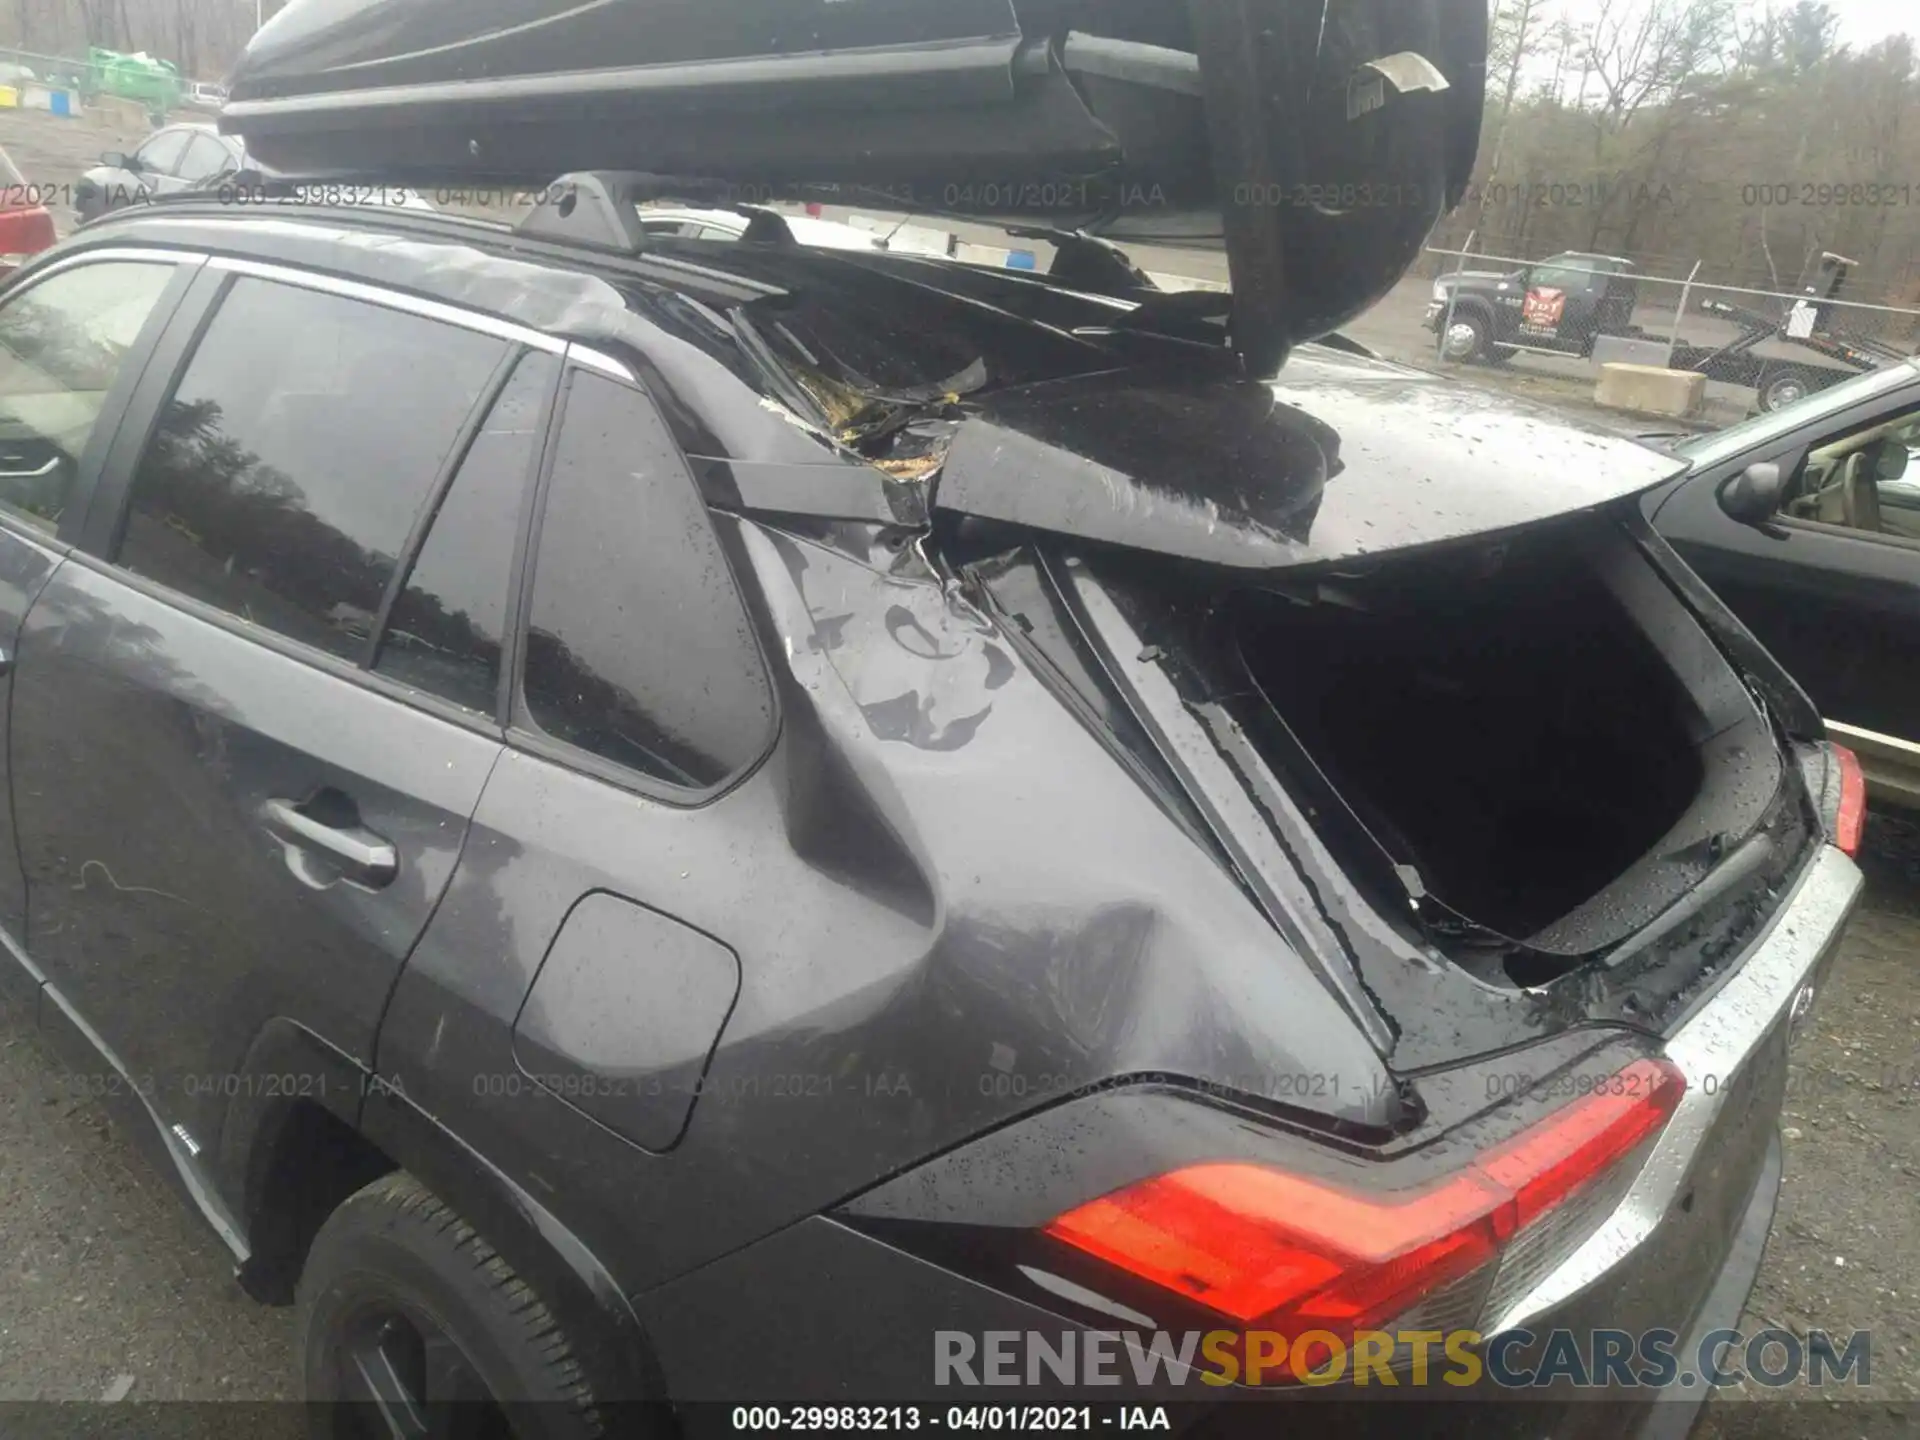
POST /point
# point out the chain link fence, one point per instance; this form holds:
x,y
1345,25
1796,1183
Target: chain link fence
x,y
1559,313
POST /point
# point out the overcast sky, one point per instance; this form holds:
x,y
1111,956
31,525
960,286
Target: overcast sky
x,y
1861,21
1864,21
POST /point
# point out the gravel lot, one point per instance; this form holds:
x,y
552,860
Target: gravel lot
x,y
109,1288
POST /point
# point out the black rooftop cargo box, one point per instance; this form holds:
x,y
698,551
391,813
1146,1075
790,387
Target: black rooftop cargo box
x,y
1316,141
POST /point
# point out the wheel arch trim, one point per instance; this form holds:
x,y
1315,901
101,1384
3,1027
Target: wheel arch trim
x,y
606,1331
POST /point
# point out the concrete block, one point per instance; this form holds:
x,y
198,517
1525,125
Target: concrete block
x,y
1624,350
1649,390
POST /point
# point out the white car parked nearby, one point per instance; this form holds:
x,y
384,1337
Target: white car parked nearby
x,y
733,225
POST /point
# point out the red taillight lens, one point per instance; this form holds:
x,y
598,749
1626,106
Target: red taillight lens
x,y
26,232
1852,820
1285,1252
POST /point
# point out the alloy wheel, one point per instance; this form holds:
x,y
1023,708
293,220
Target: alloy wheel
x,y
1785,390
1462,341
399,1376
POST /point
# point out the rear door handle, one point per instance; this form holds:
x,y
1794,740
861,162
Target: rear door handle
x,y
359,855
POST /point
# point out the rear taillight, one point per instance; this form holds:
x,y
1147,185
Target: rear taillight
x,y
26,232
1851,822
1275,1251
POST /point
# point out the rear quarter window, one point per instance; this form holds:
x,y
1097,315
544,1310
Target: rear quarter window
x,y
639,651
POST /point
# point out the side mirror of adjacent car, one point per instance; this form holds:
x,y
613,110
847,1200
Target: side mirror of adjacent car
x,y
1753,496
118,161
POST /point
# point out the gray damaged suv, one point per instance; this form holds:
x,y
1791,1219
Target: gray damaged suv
x,y
614,813
651,824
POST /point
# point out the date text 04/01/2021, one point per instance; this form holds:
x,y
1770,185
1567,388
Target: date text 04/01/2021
x,y
105,1085
892,1419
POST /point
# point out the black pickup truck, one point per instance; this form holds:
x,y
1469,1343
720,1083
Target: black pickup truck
x,y
1561,305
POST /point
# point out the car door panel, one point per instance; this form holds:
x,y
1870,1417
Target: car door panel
x,y
226,823
1839,609
1583,302
577,979
168,904
58,413
25,567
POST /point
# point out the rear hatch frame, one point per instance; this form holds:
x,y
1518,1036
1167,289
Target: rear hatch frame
x,y
1422,1009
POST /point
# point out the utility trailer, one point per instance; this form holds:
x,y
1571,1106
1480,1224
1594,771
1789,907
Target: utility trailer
x,y
1830,355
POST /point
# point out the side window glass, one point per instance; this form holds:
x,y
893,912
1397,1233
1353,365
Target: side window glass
x,y
1563,277
638,647
447,624
163,152
283,478
1864,480
206,158
62,344
1899,482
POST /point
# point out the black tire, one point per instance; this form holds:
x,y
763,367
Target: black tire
x,y
398,1287
1453,344
1786,386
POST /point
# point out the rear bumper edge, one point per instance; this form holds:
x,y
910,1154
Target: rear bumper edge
x,y
1673,1415
1770,990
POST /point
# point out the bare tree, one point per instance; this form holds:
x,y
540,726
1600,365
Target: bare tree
x,y
98,19
1741,134
1646,52
1515,34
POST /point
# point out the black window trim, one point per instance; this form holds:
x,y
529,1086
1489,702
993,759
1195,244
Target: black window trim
x,y
93,460
165,366
523,734
106,521
390,299
520,582
433,500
